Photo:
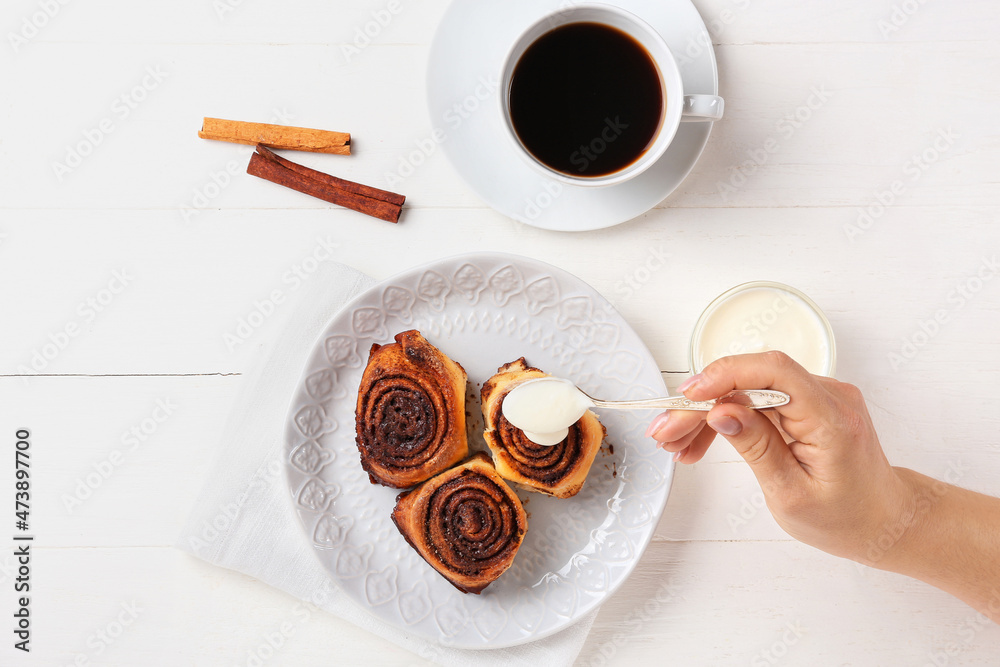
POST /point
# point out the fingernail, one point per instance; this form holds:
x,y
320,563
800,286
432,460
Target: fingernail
x,y
657,423
690,382
726,426
678,455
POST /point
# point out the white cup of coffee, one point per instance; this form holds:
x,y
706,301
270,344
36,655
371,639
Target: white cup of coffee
x,y
592,96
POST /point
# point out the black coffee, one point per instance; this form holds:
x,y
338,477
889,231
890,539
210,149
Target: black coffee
x,y
585,99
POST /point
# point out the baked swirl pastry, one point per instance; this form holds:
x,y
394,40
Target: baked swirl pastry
x,y
410,415
466,523
559,470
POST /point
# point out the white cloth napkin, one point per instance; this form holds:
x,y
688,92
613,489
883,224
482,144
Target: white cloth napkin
x,y
244,520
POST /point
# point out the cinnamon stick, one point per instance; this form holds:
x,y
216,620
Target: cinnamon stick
x,y
333,181
274,169
276,136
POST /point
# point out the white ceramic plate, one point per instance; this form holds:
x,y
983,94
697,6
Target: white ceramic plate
x,y
482,310
462,79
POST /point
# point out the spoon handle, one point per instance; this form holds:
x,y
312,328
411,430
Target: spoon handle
x,y
756,399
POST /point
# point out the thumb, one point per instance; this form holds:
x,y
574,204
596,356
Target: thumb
x,y
758,441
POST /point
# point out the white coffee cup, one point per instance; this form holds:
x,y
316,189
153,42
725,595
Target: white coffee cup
x,y
678,106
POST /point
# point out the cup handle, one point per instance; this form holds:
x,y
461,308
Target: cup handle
x,y
700,108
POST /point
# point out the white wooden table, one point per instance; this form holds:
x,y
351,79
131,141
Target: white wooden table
x,y
128,252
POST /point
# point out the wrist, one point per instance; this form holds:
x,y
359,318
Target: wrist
x,y
949,541
910,508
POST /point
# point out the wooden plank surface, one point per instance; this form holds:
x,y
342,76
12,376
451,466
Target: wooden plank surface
x,y
153,246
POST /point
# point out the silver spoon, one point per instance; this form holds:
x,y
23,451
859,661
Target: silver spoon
x,y
544,408
755,399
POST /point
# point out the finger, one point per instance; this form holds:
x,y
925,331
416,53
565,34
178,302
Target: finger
x,y
757,440
808,457
804,430
838,422
699,445
674,425
767,370
779,423
680,443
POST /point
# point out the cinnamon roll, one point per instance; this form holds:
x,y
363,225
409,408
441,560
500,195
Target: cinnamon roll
x,y
410,415
559,470
466,523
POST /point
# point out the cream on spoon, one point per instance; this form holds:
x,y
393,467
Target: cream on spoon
x,y
545,408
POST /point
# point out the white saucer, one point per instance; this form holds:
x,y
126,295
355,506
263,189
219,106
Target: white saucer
x,y
462,79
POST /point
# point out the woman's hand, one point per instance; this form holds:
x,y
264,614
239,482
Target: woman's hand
x,y
824,475
828,484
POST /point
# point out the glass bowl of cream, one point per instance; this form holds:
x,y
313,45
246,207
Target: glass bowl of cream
x,y
761,316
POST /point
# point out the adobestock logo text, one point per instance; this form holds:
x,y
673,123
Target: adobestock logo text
x,y
121,108
33,24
